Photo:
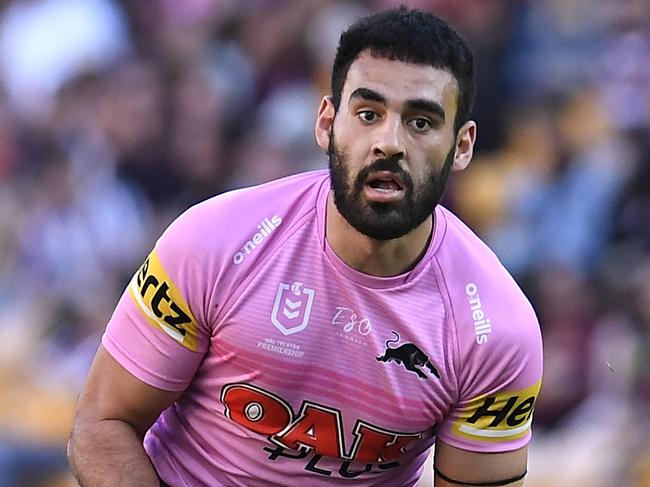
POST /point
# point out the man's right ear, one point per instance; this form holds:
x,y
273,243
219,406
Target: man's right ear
x,y
325,122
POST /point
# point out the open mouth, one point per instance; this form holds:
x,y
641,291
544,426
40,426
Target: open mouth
x,y
385,181
384,187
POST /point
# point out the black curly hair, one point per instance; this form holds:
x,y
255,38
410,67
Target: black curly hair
x,y
411,36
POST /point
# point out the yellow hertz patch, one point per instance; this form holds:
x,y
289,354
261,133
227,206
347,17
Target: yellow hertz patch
x,y
504,416
162,303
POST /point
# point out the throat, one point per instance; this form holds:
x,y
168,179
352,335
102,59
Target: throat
x,y
386,258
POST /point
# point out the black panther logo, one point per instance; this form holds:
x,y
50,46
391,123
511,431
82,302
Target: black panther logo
x,y
410,356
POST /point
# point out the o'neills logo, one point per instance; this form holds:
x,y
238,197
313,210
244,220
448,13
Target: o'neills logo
x,y
265,228
482,324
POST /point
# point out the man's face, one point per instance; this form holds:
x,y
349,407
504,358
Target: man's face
x,y
391,146
390,219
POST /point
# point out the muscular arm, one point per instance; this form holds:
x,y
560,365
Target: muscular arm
x,y
114,412
478,468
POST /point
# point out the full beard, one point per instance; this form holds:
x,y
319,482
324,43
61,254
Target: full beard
x,y
385,221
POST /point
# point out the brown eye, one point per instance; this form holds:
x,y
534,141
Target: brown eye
x,y
367,116
420,124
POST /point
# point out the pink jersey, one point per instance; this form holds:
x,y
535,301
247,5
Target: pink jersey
x,y
299,370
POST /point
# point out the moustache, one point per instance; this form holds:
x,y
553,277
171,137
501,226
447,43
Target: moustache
x,y
390,164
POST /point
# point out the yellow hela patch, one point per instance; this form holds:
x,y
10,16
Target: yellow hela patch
x,y
503,416
161,302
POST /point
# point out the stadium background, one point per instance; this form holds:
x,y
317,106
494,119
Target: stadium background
x,y
117,115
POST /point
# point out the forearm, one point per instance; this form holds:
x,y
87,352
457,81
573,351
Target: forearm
x,y
109,453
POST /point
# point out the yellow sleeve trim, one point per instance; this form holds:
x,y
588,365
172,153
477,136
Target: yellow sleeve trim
x,y
503,416
161,303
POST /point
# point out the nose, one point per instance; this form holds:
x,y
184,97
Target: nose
x,y
388,142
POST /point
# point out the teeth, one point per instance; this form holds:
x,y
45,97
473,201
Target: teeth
x,y
386,185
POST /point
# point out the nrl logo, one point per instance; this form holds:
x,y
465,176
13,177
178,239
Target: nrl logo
x,y
292,308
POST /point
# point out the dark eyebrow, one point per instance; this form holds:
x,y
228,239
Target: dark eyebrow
x,y
417,104
424,105
369,95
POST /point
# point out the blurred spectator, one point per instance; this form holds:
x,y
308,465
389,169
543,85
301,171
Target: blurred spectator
x,y
560,176
74,231
45,42
631,228
624,71
197,147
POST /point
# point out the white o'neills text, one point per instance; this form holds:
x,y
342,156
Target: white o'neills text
x,y
482,324
265,228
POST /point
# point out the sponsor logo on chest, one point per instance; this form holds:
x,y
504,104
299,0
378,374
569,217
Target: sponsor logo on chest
x,y
351,325
316,428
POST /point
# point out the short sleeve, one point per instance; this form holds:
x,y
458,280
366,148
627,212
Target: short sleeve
x,y
500,370
158,331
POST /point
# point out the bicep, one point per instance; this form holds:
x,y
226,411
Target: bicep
x,y
113,393
473,468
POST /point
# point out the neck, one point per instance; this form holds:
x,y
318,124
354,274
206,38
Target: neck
x,y
382,258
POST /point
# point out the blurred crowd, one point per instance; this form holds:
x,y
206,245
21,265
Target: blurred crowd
x,y
116,115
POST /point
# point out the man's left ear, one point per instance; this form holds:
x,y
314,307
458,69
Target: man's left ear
x,y
464,146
